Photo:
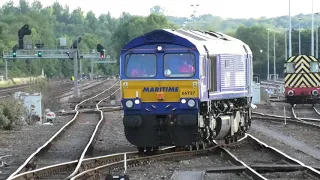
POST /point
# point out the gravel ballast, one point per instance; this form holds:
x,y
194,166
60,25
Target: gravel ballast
x,y
300,137
112,138
165,169
22,143
72,142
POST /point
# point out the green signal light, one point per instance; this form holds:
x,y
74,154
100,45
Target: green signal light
x,y
39,54
14,54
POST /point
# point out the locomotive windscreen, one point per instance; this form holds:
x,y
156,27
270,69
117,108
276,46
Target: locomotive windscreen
x,y
141,65
179,65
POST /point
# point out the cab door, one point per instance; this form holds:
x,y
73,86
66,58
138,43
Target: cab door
x,y
203,77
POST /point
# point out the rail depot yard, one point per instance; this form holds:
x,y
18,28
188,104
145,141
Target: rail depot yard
x,y
157,97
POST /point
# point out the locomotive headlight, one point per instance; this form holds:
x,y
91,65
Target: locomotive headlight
x,y
129,104
183,101
191,103
159,48
137,101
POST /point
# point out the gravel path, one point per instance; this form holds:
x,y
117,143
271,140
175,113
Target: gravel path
x,y
274,108
302,133
284,146
22,143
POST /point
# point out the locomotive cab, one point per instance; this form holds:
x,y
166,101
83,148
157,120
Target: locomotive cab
x,y
160,93
302,80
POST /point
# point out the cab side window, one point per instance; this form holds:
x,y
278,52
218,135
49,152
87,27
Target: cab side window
x,y
314,67
290,68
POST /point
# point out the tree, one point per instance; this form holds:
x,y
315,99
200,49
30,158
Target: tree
x,y
48,24
157,10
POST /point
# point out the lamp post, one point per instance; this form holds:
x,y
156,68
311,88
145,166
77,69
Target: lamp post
x,y
285,45
274,55
317,36
194,14
290,45
268,70
312,33
299,37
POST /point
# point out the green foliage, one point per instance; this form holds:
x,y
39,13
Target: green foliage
x,y
12,113
48,24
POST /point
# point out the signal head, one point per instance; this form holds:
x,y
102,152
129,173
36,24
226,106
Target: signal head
x,y
100,48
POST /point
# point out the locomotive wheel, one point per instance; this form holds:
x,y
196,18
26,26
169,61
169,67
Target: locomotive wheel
x,y
148,149
227,140
235,138
156,148
141,149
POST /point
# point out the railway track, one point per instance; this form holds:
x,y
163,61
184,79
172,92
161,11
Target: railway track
x,y
8,90
41,157
92,168
99,167
68,92
294,118
254,170
4,92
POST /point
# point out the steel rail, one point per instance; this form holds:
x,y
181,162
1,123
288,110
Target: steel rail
x,y
93,172
297,119
92,137
32,156
310,169
86,163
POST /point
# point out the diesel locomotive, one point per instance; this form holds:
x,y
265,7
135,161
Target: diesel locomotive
x,y
302,80
185,87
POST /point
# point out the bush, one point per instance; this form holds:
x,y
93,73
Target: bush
x,y
12,113
48,92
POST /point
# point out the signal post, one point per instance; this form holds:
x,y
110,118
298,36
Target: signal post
x,y
73,53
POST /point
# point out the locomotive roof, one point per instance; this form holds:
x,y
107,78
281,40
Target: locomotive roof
x,y
215,42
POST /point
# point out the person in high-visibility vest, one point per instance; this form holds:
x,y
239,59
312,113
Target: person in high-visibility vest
x,y
72,78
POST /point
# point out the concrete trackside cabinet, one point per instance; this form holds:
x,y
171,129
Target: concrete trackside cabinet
x,y
256,96
32,102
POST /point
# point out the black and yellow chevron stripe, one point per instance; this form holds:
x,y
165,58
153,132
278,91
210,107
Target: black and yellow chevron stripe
x,y
302,76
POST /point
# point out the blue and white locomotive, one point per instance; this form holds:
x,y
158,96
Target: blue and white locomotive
x,y
181,87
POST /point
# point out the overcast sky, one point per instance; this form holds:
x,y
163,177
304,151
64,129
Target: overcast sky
x,y
223,8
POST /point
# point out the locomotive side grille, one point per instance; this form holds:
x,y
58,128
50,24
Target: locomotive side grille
x,y
302,77
233,72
